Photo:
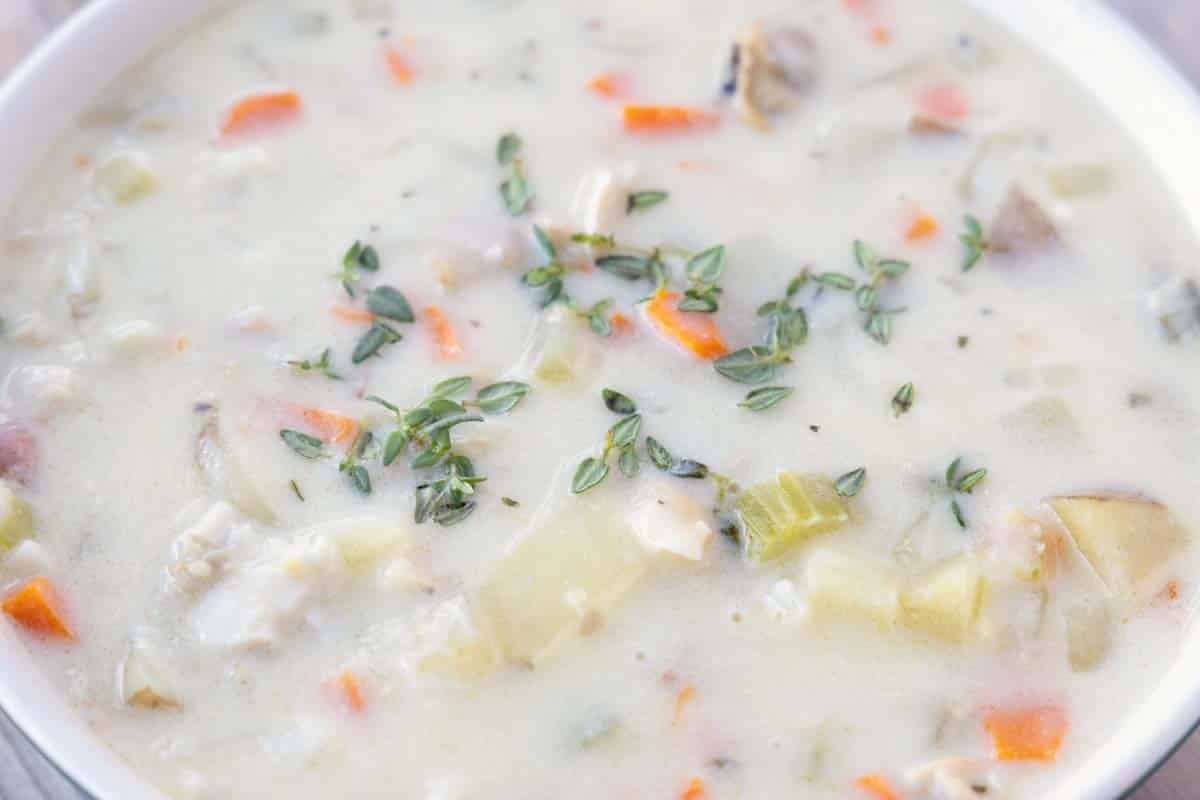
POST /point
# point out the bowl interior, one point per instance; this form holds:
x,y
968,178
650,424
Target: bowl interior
x,y
1141,92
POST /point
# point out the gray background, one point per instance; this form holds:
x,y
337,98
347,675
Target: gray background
x,y
1174,24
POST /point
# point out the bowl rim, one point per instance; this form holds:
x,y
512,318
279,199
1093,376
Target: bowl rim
x,y
1135,83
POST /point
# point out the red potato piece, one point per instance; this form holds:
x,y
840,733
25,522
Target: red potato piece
x,y
1021,225
18,452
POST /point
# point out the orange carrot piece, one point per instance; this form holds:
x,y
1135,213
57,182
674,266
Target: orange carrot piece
x,y
449,347
607,84
620,323
694,790
259,110
692,330
877,786
1026,734
81,161
399,67
862,7
944,100
922,227
880,34
330,425
35,606
351,692
665,118
685,696
349,313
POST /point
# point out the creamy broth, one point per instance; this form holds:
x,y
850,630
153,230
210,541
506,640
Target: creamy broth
x,y
207,551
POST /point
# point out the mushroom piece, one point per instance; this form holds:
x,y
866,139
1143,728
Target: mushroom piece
x,y
769,71
1021,224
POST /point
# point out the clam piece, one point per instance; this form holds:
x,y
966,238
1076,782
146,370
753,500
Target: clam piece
x,y
1021,225
771,70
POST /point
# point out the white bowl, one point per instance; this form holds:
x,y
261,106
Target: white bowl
x,y
1134,83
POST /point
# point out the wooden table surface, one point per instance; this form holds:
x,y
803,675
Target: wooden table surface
x,y
26,775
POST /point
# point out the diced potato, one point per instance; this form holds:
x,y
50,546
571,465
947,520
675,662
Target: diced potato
x,y
1016,546
1011,614
363,541
781,513
945,602
456,643
125,177
1089,635
222,467
1127,540
666,519
142,678
844,586
558,581
16,520
556,351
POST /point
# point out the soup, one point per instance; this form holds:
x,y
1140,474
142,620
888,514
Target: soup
x,y
511,399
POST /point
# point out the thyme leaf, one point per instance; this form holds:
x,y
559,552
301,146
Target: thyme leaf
x,y
618,403
589,473
765,397
639,201
851,483
322,364
902,401
358,257
515,191
974,241
374,340
385,301
302,444
500,398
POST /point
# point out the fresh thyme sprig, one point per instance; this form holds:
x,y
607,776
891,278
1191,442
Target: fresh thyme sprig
x,y
903,400
448,498
378,336
703,270
961,484
351,464
358,258
322,364
787,328
851,483
975,242
877,321
515,191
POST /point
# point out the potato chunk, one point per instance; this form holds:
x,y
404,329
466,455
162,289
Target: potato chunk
x,y
666,519
1127,540
785,511
16,521
945,603
558,581
842,586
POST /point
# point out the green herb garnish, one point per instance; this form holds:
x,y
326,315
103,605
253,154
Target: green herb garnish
x,y
360,479
508,501
961,484
296,490
851,483
302,444
765,397
618,403
787,329
596,315
877,321
638,201
384,301
374,340
975,241
358,258
449,498
902,401
703,270
322,364
515,191
589,473
500,398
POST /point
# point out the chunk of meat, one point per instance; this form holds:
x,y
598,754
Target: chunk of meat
x,y
771,70
1021,225
18,452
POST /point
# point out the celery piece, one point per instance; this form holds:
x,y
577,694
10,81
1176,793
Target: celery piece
x,y
16,521
125,177
1089,635
783,512
1129,541
945,602
559,580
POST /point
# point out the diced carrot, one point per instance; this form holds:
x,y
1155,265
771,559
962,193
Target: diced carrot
x,y
181,343
350,691
665,118
692,165
81,161
259,110
692,330
685,696
447,341
399,67
608,84
922,227
863,7
620,323
880,34
35,606
1169,593
1026,734
944,100
329,425
694,790
877,786
350,313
